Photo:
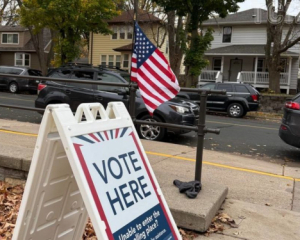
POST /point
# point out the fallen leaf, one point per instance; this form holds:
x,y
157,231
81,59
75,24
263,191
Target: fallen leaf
x,y
268,204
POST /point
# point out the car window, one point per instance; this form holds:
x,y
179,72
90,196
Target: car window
x,y
241,89
226,87
296,99
33,72
105,77
209,86
82,75
126,77
13,71
60,73
3,70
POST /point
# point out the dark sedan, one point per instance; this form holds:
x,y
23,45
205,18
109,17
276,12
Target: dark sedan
x,y
289,130
15,85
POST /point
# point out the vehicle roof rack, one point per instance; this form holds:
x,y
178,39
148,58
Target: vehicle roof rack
x,y
75,64
103,67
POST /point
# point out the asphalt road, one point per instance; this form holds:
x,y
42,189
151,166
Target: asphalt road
x,y
250,137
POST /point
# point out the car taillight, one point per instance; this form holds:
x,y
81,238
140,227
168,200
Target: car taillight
x,y
41,86
254,98
283,127
292,105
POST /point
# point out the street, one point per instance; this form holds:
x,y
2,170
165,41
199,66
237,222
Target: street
x,y
249,137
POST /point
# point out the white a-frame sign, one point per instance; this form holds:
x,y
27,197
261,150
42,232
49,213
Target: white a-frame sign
x,y
96,168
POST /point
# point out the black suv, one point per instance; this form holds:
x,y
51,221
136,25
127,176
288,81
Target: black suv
x,y
289,130
17,84
176,111
239,99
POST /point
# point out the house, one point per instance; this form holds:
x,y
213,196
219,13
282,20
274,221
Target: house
x,y
237,52
17,49
115,49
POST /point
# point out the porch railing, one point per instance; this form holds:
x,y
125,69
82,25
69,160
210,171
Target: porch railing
x,y
261,78
209,76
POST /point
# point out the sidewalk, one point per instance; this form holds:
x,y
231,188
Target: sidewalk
x,y
263,198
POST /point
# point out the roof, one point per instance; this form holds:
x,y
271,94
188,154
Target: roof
x,y
243,50
28,47
127,17
124,48
13,29
251,16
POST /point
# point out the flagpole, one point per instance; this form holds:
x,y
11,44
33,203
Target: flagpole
x,y
133,87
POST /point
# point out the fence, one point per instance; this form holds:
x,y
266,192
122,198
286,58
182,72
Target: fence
x,y
200,128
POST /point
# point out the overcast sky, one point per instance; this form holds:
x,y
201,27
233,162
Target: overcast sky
x,y
248,4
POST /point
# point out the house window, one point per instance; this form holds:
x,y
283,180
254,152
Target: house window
x,y
129,32
111,60
115,33
260,65
118,61
126,61
10,38
217,64
22,59
227,31
103,60
122,32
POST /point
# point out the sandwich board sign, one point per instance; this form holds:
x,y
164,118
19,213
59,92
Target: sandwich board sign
x,y
96,168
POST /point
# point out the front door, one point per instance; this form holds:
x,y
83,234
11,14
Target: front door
x,y
235,68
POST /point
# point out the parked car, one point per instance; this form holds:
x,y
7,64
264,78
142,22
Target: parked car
x,y
176,111
240,98
15,85
289,130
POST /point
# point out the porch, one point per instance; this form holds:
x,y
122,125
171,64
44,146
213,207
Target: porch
x,y
248,67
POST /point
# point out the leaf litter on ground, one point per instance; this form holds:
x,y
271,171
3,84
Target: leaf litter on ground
x,y
219,222
10,201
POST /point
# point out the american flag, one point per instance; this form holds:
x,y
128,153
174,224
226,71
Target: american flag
x,y
151,70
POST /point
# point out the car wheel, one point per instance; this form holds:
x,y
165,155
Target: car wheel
x,y
13,87
235,110
150,132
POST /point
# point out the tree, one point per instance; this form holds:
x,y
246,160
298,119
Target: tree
x,y
69,20
8,12
196,12
282,34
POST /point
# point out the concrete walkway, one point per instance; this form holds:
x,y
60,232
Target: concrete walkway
x,y
263,198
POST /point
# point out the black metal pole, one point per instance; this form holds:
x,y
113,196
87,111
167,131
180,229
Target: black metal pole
x,y
201,134
133,86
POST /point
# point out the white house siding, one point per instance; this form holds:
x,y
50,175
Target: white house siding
x,y
241,35
295,34
294,74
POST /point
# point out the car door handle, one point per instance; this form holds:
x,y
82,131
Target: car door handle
x,y
99,98
229,95
68,91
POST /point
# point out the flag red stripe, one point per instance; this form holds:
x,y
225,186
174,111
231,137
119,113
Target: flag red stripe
x,y
149,103
160,79
153,85
161,67
149,94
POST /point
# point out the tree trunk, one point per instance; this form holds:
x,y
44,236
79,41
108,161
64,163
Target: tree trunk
x,y
274,79
175,51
